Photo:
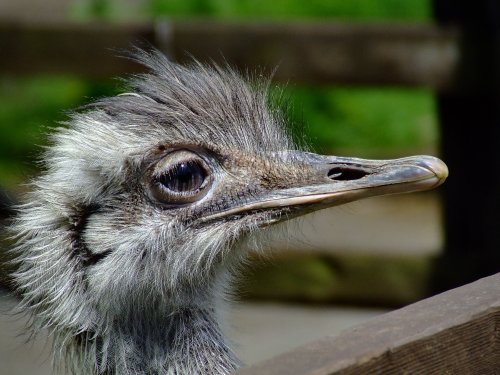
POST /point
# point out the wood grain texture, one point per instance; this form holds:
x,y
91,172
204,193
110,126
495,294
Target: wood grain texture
x,y
456,332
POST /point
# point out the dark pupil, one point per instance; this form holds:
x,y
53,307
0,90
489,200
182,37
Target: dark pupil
x,y
184,177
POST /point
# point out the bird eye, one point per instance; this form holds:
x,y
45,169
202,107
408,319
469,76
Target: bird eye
x,y
184,177
181,177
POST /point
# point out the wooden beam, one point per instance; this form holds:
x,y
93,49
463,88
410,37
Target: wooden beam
x,y
62,48
312,53
456,332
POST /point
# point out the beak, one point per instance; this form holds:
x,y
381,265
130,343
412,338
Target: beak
x,y
333,181
349,179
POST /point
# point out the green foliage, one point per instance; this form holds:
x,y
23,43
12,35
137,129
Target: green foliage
x,y
29,107
359,10
384,280
365,119
347,9
92,9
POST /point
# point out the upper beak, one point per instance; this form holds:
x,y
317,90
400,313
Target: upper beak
x,y
333,180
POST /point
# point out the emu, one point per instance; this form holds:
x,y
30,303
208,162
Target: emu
x,y
149,203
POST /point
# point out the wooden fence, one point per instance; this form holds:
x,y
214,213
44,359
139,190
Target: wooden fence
x,y
457,332
312,53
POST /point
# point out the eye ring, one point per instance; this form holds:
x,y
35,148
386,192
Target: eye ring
x,y
180,177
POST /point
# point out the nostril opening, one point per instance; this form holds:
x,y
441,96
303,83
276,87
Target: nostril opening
x,y
346,174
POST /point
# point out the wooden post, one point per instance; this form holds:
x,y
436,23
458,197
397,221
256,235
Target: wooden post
x,y
470,133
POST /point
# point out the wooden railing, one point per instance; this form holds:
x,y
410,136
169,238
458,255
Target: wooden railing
x,y
313,53
457,332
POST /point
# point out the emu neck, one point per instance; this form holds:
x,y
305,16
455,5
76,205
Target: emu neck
x,y
186,341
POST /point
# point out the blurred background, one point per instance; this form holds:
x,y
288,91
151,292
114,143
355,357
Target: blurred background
x,y
380,79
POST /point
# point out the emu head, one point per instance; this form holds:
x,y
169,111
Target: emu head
x,y
148,197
